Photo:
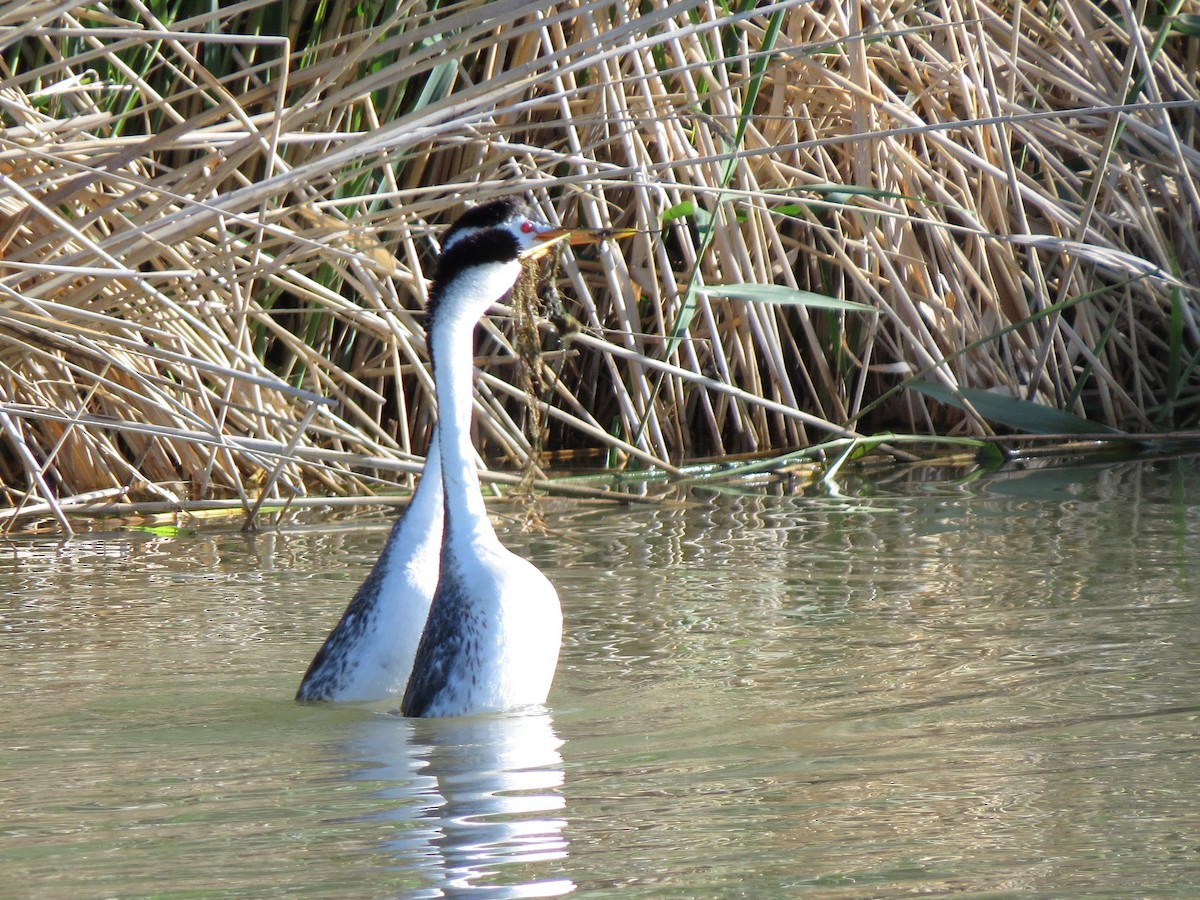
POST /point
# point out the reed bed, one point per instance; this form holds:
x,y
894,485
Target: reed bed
x,y
217,227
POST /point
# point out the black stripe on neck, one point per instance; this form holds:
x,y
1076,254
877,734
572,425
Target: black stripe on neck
x,y
495,245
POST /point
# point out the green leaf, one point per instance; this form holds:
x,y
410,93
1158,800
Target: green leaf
x,y
1024,415
777,293
678,211
844,193
164,531
1187,23
438,86
990,457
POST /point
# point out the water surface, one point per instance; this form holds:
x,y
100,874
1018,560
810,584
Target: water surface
x,y
928,687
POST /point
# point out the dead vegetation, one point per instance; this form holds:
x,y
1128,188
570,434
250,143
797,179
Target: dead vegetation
x,y
216,231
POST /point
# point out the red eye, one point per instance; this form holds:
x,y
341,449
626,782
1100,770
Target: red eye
x,y
528,227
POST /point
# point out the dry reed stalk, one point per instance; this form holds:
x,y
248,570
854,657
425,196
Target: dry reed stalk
x,y
215,232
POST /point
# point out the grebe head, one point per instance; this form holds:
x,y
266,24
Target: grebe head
x,y
482,255
531,234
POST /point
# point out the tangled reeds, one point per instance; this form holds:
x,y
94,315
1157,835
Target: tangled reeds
x,y
216,229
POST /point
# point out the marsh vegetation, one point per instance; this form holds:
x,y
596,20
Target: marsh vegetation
x,y
944,220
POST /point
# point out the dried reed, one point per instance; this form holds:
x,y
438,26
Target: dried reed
x,y
216,230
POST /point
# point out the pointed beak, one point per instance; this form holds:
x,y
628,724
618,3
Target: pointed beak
x,y
551,236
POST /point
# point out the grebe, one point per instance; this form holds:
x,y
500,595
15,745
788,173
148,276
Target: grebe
x,y
489,623
369,653
492,638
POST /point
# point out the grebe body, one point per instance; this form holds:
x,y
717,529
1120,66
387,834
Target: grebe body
x,y
369,654
449,617
492,638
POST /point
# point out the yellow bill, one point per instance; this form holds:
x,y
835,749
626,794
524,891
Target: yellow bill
x,y
552,236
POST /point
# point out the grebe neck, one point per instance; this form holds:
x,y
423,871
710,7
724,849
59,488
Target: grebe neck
x,y
459,309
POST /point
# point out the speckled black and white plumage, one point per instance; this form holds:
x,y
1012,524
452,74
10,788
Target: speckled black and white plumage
x,y
337,664
448,616
492,637
451,674
369,654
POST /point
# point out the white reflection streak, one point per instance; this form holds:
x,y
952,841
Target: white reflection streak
x,y
483,787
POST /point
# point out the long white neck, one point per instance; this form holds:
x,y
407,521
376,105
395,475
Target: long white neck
x,y
451,344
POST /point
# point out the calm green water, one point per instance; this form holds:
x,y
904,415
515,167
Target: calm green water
x,y
917,688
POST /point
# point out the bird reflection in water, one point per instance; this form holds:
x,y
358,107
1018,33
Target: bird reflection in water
x,y
483,798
